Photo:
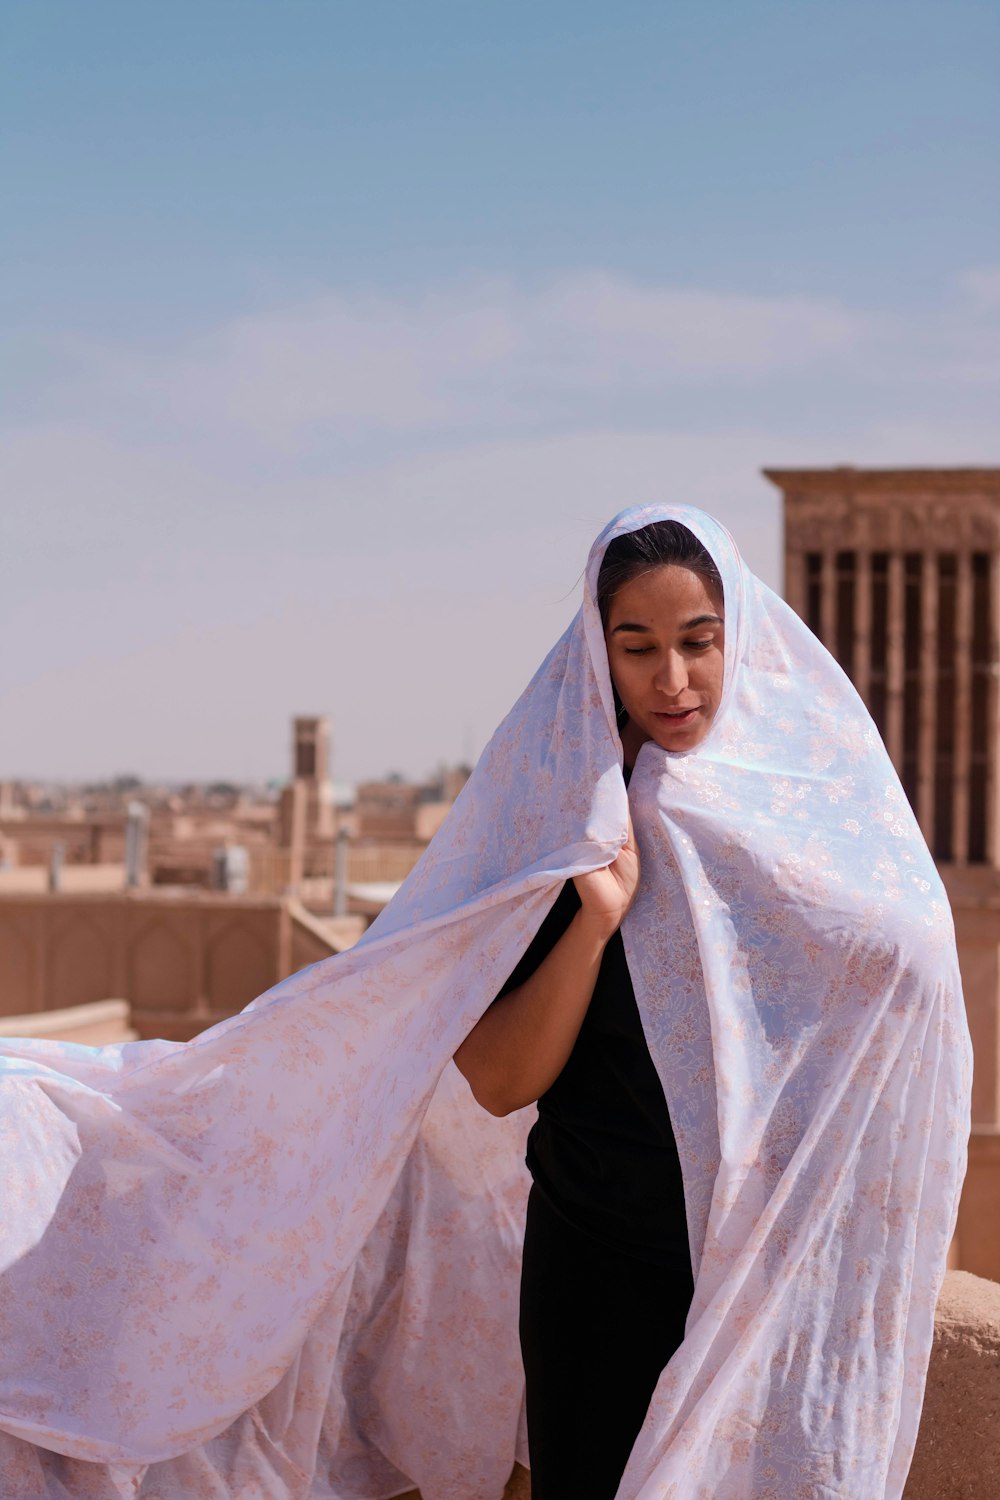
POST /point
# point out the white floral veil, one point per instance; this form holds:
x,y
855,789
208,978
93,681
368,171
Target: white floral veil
x,y
281,1260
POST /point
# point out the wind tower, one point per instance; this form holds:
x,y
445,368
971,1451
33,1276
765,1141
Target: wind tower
x,y
898,573
311,761
306,814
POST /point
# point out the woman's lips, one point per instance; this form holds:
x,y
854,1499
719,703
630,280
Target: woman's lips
x,y
676,717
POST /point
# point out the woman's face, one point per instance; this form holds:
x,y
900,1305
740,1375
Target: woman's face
x,y
665,649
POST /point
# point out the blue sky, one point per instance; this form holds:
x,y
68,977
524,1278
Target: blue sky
x,y
335,331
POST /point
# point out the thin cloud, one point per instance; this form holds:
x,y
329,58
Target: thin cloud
x,y
981,285
480,357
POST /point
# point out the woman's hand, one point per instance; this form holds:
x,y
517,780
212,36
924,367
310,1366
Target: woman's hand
x,y
606,895
519,1047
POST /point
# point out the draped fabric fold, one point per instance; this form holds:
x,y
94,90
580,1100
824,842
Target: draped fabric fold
x,y
281,1260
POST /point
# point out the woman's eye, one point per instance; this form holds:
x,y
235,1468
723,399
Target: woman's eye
x,y
699,645
637,650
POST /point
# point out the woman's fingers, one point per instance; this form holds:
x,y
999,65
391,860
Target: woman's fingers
x,y
608,892
626,866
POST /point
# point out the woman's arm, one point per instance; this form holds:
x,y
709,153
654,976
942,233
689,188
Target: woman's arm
x,y
521,1045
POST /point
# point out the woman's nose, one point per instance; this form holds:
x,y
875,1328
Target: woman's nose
x,y
672,675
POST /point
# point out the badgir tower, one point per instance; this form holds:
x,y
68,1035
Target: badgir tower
x,y
898,573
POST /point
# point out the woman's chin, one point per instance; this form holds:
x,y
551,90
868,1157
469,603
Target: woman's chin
x,y
638,732
678,736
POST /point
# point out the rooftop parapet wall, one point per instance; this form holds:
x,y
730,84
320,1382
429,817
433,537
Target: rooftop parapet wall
x,y
182,962
958,1447
91,1025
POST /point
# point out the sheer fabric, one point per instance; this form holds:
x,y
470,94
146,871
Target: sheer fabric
x,y
281,1259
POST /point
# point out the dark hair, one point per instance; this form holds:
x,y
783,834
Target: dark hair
x,y
654,546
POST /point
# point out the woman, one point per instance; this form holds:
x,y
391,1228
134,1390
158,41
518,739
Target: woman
x,y
282,1259
606,1280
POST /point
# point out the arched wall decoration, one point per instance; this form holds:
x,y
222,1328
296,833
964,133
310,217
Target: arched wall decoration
x,y
79,968
238,966
17,970
162,975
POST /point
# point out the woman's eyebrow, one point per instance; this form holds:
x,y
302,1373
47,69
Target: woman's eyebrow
x,y
688,625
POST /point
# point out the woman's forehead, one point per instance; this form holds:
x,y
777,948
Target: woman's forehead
x,y
667,589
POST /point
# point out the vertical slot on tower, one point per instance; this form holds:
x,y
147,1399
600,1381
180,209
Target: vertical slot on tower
x,y
912,616
944,762
877,680
846,569
979,747
814,592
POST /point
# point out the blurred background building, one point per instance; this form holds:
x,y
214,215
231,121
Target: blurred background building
x,y
128,909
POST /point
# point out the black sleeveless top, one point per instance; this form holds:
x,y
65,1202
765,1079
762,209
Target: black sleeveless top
x,y
602,1151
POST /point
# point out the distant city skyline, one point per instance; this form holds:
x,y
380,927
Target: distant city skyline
x,y
335,334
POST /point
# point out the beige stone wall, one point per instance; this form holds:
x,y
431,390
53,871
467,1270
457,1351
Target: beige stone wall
x,y
271,870
91,1025
85,840
978,1236
75,879
975,902
315,938
183,963
958,1447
